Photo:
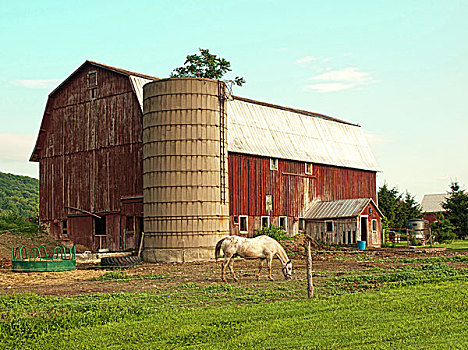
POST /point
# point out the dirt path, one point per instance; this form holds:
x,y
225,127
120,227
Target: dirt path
x,y
79,281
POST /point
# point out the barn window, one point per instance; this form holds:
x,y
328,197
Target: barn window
x,y
301,224
283,222
64,228
308,168
273,163
129,224
100,226
236,220
243,224
92,79
344,237
329,226
374,225
349,237
354,237
265,221
92,93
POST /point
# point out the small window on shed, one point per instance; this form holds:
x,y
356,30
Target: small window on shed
x,y
329,226
243,224
273,163
374,225
92,79
236,220
283,222
92,93
308,168
265,221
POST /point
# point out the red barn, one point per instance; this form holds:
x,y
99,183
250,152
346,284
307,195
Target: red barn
x,y
281,161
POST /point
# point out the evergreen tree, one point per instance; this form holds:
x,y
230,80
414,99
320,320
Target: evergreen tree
x,y
398,209
456,205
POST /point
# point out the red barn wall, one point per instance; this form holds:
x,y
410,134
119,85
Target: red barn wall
x,y
251,180
92,152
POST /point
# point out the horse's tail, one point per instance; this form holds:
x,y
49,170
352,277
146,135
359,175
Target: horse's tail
x,y
218,248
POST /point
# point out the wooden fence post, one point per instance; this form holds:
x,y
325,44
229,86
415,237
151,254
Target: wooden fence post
x,y
310,283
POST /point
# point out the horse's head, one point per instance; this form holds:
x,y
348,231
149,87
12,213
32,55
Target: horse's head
x,y
287,270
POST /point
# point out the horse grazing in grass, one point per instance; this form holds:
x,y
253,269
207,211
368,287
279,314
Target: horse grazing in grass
x,y
261,247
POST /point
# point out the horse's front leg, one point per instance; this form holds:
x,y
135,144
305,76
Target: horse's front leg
x,y
231,262
260,265
269,262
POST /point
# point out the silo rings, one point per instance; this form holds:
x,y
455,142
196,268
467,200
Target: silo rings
x,y
185,178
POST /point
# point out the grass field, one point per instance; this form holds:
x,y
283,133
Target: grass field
x,y
416,306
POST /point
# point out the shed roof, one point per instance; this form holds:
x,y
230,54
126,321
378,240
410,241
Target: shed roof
x,y
343,208
432,203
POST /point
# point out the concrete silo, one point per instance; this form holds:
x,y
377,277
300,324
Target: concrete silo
x,y
185,174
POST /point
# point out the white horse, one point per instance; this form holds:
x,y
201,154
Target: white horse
x,y
261,247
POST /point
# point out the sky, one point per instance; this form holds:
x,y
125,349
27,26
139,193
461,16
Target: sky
x,y
397,68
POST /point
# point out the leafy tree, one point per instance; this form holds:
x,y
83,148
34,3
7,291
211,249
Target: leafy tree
x,y
398,209
205,65
456,206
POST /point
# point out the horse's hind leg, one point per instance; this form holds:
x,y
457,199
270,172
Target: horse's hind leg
x,y
260,265
223,270
231,262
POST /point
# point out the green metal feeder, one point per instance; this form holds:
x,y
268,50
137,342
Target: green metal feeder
x,y
38,261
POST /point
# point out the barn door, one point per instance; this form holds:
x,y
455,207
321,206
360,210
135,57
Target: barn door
x,y
364,228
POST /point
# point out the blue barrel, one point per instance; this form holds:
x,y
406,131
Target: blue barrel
x,y
361,245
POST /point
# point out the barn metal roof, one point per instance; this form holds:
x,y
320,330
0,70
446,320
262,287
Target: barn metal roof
x,y
268,130
432,203
344,208
254,128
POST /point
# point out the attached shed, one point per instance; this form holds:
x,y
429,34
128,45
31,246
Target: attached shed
x,y
345,222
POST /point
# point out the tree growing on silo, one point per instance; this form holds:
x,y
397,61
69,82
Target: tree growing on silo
x,y
205,65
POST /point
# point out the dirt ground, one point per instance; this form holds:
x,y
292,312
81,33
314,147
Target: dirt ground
x,y
77,282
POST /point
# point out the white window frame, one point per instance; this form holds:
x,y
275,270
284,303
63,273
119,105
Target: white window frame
x,y
246,223
261,221
285,227
273,163
374,220
309,168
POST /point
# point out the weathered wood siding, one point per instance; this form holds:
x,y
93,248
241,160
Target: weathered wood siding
x,y
92,152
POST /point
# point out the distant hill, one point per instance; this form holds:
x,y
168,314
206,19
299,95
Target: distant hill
x,y
19,194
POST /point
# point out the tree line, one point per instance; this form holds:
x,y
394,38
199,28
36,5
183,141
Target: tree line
x,y
398,208
19,195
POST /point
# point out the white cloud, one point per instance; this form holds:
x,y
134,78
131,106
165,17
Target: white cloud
x,y
339,80
328,87
16,147
15,150
306,59
37,83
350,74
375,139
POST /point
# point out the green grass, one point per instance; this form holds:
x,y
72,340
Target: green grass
x,y
122,276
410,317
425,306
457,245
